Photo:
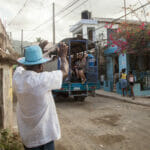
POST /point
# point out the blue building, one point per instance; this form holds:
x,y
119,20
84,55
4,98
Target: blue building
x,y
139,64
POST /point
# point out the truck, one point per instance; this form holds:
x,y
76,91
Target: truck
x,y
72,86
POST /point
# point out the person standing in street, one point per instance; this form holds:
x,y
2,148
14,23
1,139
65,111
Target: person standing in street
x,y
36,111
131,83
123,80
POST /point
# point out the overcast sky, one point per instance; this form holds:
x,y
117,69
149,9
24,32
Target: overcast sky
x,y
36,12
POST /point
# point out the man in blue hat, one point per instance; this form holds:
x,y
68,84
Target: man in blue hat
x,y
36,112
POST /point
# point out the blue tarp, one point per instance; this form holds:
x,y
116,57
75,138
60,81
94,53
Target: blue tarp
x,y
91,60
112,49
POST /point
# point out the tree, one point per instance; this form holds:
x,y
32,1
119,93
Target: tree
x,y
39,39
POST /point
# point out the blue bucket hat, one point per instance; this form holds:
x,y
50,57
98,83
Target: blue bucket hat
x,y
33,56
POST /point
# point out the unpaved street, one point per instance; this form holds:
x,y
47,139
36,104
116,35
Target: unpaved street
x,y
103,124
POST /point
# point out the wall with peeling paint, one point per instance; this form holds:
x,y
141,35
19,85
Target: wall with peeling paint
x,y
6,96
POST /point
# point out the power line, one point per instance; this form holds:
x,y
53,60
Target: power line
x,y
20,10
148,3
125,10
113,21
68,6
117,19
65,8
72,10
143,10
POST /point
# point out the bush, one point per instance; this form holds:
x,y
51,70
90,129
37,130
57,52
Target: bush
x,y
10,141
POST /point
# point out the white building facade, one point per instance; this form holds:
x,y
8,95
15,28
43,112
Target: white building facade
x,y
96,29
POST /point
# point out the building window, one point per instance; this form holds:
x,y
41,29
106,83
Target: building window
x,y
90,35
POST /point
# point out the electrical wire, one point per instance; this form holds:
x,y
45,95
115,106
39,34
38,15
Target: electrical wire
x,y
117,19
113,21
20,10
67,7
48,20
72,10
143,10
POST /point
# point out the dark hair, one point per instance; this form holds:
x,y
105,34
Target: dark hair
x,y
33,67
130,72
123,70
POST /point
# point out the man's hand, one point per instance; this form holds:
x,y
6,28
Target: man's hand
x,y
62,53
62,50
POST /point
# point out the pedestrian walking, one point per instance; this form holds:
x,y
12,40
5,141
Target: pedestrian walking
x,y
131,83
36,111
123,81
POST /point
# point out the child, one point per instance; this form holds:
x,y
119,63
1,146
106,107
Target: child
x,y
131,83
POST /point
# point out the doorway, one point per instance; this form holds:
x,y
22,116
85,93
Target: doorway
x,y
116,71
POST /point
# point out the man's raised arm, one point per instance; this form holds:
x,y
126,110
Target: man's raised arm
x,y
62,53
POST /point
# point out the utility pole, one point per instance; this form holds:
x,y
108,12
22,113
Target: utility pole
x,y
53,23
22,42
10,36
125,10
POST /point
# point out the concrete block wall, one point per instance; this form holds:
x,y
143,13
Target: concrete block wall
x,y
108,86
6,42
139,92
136,88
6,97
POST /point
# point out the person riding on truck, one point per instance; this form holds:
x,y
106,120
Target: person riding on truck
x,y
80,66
36,111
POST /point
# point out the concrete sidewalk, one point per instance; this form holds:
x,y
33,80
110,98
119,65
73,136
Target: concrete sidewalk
x,y
144,101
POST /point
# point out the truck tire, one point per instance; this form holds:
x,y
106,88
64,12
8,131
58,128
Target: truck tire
x,y
79,98
93,93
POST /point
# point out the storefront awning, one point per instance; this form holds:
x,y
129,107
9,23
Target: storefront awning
x,y
111,50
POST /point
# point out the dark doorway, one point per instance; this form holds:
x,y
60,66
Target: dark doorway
x,y
116,71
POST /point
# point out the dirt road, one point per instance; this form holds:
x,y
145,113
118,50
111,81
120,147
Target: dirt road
x,y
103,124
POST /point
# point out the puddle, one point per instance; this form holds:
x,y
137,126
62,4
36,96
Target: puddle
x,y
108,139
107,119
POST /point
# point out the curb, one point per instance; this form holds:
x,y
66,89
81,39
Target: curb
x,y
123,100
